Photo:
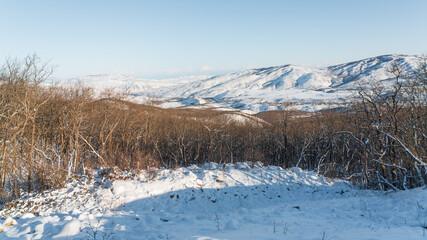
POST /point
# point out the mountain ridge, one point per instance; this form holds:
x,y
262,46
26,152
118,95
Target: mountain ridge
x,y
266,88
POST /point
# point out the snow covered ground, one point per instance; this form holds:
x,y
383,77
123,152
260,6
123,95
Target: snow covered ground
x,y
238,201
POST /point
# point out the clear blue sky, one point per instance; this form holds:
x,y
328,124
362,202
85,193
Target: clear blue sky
x,y
173,38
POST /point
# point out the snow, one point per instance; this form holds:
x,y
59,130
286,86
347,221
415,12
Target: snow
x,y
171,105
212,201
267,88
259,89
193,100
127,83
71,228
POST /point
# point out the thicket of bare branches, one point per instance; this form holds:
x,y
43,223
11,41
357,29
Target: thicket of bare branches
x,y
50,134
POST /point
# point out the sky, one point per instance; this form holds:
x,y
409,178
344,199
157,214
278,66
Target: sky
x,y
161,39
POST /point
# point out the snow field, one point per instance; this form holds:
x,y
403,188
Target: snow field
x,y
238,201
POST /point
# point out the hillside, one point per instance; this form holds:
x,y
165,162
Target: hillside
x,y
263,88
79,166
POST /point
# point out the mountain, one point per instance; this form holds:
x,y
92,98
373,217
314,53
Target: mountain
x,y
265,88
130,84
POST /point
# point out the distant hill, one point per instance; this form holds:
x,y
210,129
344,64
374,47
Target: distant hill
x,y
260,89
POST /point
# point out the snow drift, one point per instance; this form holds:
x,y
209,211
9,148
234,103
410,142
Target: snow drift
x,y
211,201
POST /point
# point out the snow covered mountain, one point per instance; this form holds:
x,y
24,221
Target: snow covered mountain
x,y
131,84
263,88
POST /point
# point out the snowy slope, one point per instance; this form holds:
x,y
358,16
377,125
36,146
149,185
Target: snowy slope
x,y
130,84
264,88
370,69
238,201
